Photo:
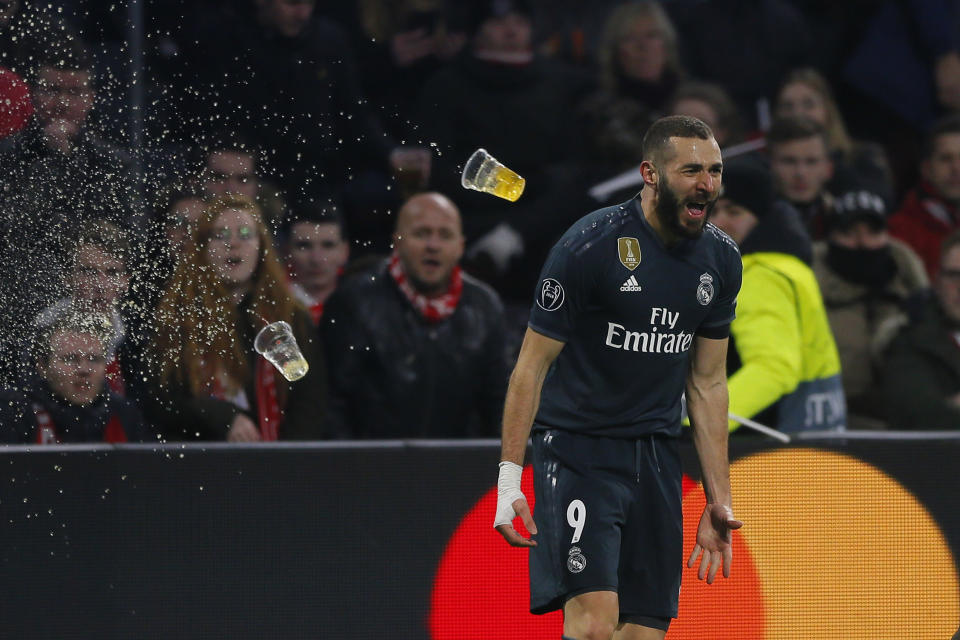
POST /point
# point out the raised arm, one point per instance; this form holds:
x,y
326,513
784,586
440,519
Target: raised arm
x,y
523,398
707,405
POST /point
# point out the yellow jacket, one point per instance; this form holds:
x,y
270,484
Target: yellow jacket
x,y
786,348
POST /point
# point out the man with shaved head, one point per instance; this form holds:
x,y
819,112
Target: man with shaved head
x,y
415,347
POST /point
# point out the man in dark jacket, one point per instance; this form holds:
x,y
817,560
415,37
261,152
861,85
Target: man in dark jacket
x,y
58,169
499,95
286,79
56,176
415,347
70,401
921,373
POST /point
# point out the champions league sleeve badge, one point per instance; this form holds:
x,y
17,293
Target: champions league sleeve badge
x,y
705,290
550,296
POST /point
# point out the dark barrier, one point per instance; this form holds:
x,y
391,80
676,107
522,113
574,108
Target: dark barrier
x,y
846,539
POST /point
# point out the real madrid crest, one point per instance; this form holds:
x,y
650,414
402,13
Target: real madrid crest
x,y
629,251
576,561
705,290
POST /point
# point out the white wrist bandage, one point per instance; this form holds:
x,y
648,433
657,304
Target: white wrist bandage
x,y
508,491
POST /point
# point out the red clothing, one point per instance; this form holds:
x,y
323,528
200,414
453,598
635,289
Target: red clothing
x,y
314,306
923,221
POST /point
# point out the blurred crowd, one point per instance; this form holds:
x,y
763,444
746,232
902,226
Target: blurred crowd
x,y
177,174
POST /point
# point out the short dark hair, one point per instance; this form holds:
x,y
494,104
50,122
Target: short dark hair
x,y
224,140
170,194
656,142
728,114
106,237
947,125
793,128
319,210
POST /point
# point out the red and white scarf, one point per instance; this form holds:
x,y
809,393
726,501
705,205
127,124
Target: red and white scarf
x,y
432,309
47,430
269,412
314,306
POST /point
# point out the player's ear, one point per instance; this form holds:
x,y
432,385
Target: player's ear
x,y
649,173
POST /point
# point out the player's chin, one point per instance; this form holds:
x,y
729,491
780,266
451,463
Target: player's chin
x,y
693,227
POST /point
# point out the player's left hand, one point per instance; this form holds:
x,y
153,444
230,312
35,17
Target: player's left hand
x,y
713,540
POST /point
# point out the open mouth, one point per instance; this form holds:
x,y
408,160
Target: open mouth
x,y
234,262
696,209
431,262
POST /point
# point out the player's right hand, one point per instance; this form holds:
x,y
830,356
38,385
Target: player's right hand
x,y
512,503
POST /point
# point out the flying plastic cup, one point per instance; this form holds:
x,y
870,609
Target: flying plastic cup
x,y
276,343
483,173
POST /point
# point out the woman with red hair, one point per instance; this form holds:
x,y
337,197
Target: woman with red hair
x,y
210,384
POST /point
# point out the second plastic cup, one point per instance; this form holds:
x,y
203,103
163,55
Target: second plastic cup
x,y
483,172
276,343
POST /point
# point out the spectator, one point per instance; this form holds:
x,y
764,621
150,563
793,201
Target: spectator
x,y
906,59
179,219
500,96
399,46
317,251
806,93
571,30
16,105
745,46
418,346
929,213
230,165
97,284
287,79
173,225
26,29
58,167
208,382
55,177
639,72
711,104
869,281
921,371
783,365
802,168
70,401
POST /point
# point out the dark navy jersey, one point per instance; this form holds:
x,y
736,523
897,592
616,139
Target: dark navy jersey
x,y
628,309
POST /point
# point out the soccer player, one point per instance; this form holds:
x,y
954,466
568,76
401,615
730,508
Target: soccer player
x,y
634,305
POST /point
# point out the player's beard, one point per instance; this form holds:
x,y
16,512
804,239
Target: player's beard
x,y
669,212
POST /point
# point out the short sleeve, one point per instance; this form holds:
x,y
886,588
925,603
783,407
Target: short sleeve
x,y
561,294
724,311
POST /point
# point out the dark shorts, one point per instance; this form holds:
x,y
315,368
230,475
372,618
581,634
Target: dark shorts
x,y
609,516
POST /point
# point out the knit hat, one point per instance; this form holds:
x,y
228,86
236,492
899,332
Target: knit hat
x,y
748,183
15,104
857,206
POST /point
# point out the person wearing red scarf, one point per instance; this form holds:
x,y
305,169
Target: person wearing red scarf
x,y
929,212
69,401
316,251
416,347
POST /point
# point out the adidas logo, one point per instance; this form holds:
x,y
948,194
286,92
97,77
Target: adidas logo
x,y
631,285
